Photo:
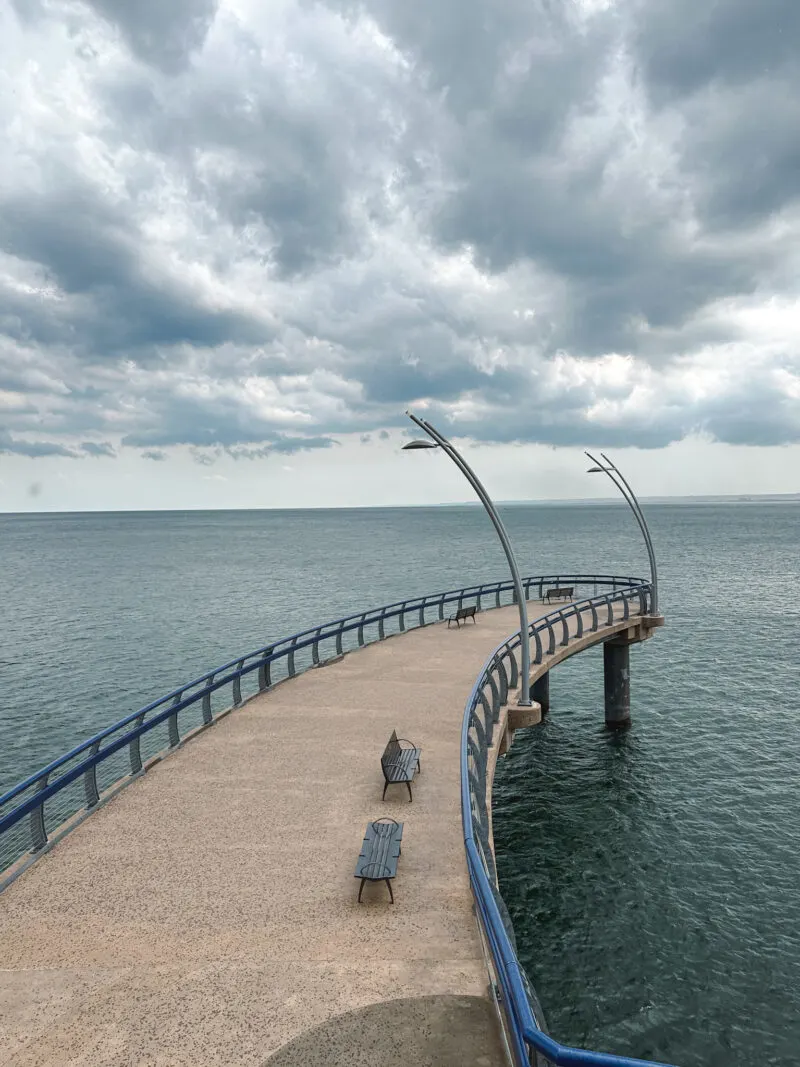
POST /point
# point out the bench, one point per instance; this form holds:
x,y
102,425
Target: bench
x,y
399,763
555,594
379,853
461,616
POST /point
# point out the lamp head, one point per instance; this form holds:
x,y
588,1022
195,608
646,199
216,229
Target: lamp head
x,y
414,445
596,470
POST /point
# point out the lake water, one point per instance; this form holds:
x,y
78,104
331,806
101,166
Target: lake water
x,y
651,876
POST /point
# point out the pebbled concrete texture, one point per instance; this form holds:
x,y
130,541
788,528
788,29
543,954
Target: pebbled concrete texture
x,y
207,915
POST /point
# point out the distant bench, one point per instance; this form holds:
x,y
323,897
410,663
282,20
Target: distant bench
x,y
561,592
379,854
462,615
399,763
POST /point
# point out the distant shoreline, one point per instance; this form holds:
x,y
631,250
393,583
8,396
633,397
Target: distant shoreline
x,y
674,501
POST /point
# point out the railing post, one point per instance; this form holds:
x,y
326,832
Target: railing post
x,y
501,673
172,722
206,702
263,671
37,827
594,619
237,685
422,611
290,661
610,612
513,681
402,619
339,635
564,629
552,646
538,639
361,631
90,779
496,705
478,598
135,747
579,630
487,707
381,627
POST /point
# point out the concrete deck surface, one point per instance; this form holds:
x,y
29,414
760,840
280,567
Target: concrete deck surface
x,y
207,915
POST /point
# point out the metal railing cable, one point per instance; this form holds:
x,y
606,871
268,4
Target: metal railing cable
x,y
530,1044
75,783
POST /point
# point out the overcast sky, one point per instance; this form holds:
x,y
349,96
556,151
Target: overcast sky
x,y
239,238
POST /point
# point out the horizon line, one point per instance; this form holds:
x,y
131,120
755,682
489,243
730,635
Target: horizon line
x,y
733,498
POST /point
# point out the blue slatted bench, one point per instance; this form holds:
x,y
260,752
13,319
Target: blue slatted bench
x,y
399,763
379,854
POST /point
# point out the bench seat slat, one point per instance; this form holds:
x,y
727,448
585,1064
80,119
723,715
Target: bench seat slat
x,y
381,850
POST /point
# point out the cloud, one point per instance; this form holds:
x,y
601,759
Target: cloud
x,y
103,448
164,35
32,449
251,232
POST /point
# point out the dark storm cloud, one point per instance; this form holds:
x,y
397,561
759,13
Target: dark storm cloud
x,y
295,224
95,252
683,46
163,33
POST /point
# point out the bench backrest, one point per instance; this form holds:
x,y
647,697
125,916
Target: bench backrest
x,y
562,590
392,748
465,613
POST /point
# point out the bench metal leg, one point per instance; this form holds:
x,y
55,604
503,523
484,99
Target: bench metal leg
x,y
408,787
389,887
419,766
361,890
385,787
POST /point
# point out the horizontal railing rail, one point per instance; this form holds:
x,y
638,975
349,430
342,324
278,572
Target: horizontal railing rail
x,y
37,807
529,1043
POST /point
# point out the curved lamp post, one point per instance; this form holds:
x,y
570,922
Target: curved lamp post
x,y
438,440
617,477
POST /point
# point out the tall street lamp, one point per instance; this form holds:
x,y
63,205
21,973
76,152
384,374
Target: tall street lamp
x,y
438,440
617,477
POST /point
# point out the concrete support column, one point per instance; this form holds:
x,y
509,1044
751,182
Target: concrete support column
x,y
617,683
540,692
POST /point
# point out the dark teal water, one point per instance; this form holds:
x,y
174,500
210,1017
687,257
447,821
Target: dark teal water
x,y
651,876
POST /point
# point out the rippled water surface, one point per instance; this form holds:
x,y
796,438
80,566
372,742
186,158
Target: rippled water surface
x,y
652,876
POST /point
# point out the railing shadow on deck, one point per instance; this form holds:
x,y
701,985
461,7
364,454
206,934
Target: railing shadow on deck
x,y
521,1015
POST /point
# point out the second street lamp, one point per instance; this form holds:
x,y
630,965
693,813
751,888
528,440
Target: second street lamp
x,y
438,440
619,480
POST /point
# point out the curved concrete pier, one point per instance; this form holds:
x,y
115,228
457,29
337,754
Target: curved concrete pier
x,y
208,914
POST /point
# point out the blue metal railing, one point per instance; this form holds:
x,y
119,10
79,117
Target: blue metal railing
x,y
528,1042
74,783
